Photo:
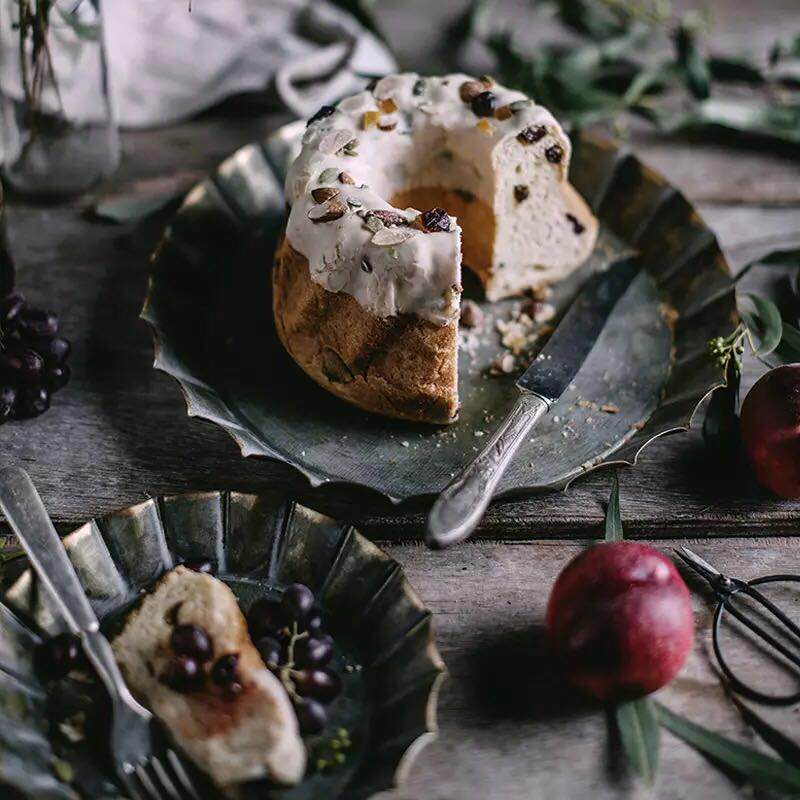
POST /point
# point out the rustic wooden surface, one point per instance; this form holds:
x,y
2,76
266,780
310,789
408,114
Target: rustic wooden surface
x,y
510,729
119,432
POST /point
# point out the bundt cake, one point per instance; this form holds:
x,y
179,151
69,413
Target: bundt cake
x,y
367,288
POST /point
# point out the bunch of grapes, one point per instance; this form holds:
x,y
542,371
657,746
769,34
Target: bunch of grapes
x,y
289,634
32,358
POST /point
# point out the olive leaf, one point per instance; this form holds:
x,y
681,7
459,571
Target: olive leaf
x,y
765,323
721,432
597,20
693,65
782,258
759,769
639,731
735,69
783,49
789,348
613,516
783,745
649,80
770,120
616,69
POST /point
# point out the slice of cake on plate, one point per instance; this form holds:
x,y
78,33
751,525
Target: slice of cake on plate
x,y
186,655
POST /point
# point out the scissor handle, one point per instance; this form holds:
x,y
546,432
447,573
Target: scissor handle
x,y
746,587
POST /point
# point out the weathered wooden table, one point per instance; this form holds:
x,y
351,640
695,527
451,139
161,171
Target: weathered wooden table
x,y
119,432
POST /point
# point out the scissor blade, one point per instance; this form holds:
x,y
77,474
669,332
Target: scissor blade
x,y
698,564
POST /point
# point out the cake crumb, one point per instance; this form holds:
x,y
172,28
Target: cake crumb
x,y
504,364
609,408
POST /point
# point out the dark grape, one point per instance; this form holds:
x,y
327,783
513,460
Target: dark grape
x,y
8,396
57,377
314,623
10,309
311,716
225,670
183,674
37,323
54,351
270,650
25,364
203,565
315,651
191,640
484,104
10,363
32,401
297,602
265,618
60,654
321,684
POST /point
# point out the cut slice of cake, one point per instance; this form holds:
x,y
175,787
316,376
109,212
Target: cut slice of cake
x,y
225,709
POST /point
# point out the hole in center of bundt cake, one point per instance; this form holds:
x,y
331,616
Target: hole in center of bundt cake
x,y
474,216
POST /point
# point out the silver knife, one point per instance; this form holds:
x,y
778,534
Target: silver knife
x,y
459,508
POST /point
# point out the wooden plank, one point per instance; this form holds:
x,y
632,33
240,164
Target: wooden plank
x,y
119,429
509,726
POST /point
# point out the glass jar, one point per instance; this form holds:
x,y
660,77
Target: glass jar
x,y
57,130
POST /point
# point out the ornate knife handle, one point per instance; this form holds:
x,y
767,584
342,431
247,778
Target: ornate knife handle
x,y
459,508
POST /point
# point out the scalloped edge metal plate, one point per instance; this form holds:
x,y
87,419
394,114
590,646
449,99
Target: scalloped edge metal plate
x,y
262,540
635,205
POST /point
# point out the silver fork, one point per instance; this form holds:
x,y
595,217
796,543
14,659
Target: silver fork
x,y
144,775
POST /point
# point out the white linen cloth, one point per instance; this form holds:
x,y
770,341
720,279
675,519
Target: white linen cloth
x,y
169,59
167,63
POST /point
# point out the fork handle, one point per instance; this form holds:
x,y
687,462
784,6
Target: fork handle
x,y
28,518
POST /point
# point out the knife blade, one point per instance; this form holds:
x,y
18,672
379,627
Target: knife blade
x,y
459,508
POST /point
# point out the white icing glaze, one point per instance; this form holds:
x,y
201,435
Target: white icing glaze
x,y
431,139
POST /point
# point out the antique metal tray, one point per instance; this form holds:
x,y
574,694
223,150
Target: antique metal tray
x,y
385,651
209,307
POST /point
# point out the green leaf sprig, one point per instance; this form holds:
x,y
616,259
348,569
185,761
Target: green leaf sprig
x,y
760,769
616,66
765,333
613,531
640,736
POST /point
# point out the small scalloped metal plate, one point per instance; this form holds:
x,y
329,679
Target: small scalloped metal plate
x,y
260,543
209,306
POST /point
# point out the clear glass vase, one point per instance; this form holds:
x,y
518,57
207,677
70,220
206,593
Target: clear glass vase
x,y
58,135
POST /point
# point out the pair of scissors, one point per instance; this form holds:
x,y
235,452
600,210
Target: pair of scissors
x,y
726,589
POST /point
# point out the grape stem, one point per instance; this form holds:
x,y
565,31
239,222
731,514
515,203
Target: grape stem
x,y
287,671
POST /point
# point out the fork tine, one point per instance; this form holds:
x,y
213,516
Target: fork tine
x,y
164,779
145,780
181,774
130,785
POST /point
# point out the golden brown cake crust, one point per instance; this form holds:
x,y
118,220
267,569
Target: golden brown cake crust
x,y
402,366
